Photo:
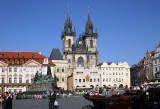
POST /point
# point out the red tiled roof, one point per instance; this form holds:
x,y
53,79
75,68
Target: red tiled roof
x,y
152,52
23,56
141,61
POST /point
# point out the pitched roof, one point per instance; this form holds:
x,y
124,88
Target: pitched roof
x,y
141,61
56,54
23,56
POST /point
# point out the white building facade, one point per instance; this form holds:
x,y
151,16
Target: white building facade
x,y
156,63
86,78
115,74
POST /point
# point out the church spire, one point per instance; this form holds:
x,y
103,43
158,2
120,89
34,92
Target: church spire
x,y
89,28
68,28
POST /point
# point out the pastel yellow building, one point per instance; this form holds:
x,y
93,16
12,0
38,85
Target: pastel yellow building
x,y
115,74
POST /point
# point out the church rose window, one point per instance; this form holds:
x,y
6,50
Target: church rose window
x,y
80,62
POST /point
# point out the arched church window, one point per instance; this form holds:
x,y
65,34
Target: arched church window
x,y
91,43
80,62
69,43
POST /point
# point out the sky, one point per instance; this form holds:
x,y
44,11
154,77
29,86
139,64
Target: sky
x,y
126,28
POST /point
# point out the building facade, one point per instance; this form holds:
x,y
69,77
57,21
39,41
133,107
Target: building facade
x,y
148,65
115,74
137,74
61,68
17,69
79,58
156,63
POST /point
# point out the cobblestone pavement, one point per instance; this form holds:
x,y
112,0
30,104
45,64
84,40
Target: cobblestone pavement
x,y
64,103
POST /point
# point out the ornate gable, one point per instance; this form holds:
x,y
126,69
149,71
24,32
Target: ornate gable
x,y
2,63
32,63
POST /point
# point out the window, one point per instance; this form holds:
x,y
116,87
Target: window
x,y
119,73
122,79
156,69
10,80
122,73
43,69
32,69
15,80
91,43
113,79
57,69
75,80
109,73
103,73
113,68
126,74
69,43
116,79
79,80
109,79
106,73
80,62
27,80
15,69
62,79
2,80
119,79
27,69
37,69
106,79
98,80
94,79
90,80
103,79
10,69
113,73
155,61
83,80
62,69
20,69
116,73
20,80
3,69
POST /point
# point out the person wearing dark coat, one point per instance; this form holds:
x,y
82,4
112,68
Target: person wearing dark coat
x,y
8,101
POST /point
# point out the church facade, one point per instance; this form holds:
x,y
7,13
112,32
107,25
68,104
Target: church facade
x,y
81,55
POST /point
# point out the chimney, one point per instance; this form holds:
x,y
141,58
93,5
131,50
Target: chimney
x,y
40,52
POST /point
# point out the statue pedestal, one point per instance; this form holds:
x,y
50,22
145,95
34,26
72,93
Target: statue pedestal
x,y
42,87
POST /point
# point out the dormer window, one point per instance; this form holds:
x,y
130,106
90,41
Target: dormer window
x,y
17,55
45,60
1,54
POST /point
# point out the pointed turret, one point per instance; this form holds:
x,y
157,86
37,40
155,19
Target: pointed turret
x,y
68,28
89,28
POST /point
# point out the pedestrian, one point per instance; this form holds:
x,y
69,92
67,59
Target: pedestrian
x,y
3,102
8,101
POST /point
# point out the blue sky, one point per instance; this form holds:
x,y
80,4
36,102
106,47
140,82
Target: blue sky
x,y
126,28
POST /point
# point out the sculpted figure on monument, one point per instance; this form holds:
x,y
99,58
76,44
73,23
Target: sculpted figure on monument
x,y
39,78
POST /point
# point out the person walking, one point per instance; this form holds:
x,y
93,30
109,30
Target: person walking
x,y
8,101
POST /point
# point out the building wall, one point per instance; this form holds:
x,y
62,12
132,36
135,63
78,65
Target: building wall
x,y
115,74
61,73
148,66
83,77
156,63
15,77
